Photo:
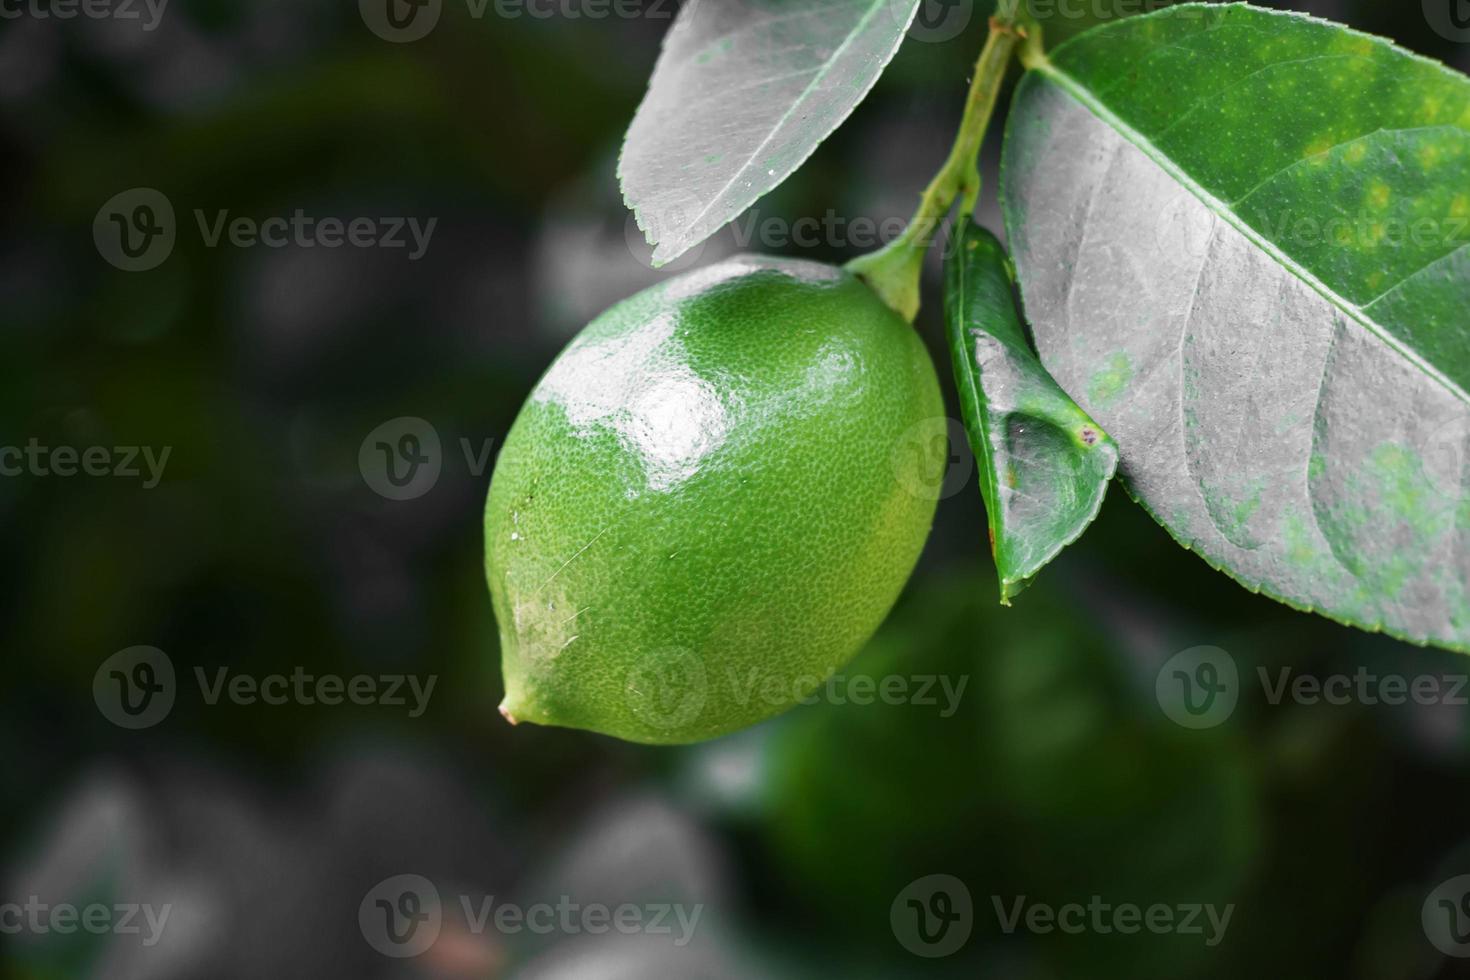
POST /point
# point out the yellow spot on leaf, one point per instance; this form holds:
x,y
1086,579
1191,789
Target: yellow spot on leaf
x,y
1317,150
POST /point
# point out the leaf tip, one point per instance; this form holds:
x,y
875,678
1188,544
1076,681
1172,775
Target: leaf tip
x,y
1012,586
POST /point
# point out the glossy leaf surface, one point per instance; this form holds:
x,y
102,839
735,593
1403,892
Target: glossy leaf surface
x,y
1044,465
1243,240
744,91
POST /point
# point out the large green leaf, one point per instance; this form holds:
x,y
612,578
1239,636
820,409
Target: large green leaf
x,y
1242,242
1044,465
743,93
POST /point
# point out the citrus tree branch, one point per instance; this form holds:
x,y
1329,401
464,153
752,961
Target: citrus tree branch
x,y
893,271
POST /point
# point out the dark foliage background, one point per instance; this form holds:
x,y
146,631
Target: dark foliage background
x,y
264,550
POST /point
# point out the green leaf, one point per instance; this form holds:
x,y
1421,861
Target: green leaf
x,y
1243,240
744,91
1044,465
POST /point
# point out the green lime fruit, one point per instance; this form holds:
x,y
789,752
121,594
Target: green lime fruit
x,y
711,501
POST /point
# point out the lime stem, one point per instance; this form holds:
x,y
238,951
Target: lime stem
x,y
894,271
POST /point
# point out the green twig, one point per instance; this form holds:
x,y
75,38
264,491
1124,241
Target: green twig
x,y
894,271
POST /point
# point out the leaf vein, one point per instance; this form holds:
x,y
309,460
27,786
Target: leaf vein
x,y
1410,277
1223,209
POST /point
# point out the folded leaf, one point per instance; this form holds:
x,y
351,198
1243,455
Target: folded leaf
x,y
1044,465
1243,241
743,92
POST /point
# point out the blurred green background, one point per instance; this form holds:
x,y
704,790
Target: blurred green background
x,y
266,549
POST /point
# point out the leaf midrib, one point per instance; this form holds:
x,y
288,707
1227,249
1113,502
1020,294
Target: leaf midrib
x,y
1221,209
970,388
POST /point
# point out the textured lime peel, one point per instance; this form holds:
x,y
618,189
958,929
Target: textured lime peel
x,y
1243,241
710,502
1044,464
